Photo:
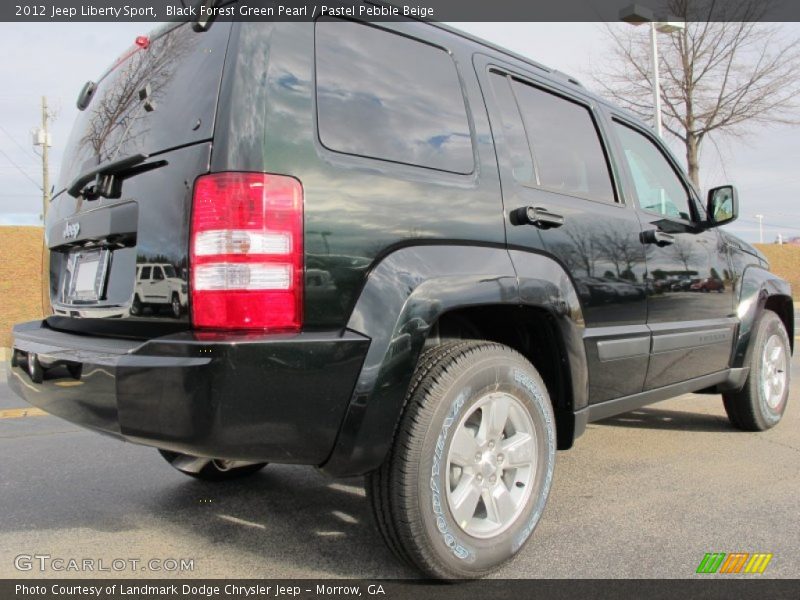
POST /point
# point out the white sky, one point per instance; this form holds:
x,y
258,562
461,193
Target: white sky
x,y
56,59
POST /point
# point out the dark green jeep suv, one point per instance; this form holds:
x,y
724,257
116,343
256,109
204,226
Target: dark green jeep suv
x,y
405,253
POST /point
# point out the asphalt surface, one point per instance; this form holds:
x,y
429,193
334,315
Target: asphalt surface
x,y
645,494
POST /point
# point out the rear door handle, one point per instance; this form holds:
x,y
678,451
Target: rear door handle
x,y
538,217
657,237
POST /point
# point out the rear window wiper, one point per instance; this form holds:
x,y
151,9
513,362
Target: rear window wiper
x,y
104,177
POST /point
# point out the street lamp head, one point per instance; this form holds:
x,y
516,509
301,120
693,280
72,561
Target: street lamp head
x,y
669,25
636,14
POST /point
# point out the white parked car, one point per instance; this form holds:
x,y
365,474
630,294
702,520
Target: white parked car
x,y
158,284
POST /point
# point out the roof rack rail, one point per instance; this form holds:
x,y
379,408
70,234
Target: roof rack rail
x,y
565,76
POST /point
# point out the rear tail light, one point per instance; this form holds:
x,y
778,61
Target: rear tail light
x,y
247,252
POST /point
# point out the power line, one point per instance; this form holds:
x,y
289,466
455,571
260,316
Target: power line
x,y
770,225
28,177
17,144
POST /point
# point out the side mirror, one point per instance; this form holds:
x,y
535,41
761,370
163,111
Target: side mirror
x,y
722,206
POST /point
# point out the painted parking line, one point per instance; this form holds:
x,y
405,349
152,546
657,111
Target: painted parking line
x,y
19,413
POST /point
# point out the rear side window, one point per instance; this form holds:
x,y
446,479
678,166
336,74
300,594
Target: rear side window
x,y
515,140
383,95
158,274
562,139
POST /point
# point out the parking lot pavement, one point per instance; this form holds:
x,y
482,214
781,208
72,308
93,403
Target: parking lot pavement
x,y
645,494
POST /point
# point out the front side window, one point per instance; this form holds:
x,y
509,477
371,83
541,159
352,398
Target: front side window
x,y
567,153
158,274
145,273
658,187
386,96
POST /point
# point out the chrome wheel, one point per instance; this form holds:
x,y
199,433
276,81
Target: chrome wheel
x,y
491,465
773,371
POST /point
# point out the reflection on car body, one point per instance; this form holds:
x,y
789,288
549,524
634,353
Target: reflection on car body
x,y
157,286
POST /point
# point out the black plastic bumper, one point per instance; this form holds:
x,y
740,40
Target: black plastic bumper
x,y
277,398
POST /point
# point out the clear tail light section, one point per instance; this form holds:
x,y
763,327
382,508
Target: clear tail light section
x,y
246,252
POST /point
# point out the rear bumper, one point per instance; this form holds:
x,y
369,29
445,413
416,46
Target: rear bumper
x,y
277,398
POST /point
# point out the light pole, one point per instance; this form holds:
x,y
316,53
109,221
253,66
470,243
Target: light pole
x,y
760,228
636,14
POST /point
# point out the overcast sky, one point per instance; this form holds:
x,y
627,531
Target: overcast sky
x,y
56,59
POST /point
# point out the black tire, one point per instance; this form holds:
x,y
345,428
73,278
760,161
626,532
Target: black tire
x,y
409,492
175,306
136,306
214,470
35,369
752,408
75,370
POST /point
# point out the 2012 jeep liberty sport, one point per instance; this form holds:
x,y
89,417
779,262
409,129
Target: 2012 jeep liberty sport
x,y
409,254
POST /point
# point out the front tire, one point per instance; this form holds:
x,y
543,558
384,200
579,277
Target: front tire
x,y
468,476
175,306
136,306
211,469
760,404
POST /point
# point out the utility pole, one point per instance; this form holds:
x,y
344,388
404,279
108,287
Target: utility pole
x,y
41,137
760,228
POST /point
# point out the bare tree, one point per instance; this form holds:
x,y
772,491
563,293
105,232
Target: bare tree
x,y
684,252
724,72
583,251
115,115
623,252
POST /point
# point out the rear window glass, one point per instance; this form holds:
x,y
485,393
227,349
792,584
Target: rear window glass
x,y
386,96
156,98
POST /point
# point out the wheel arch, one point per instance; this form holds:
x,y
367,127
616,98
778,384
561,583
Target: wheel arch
x,y
419,294
534,332
760,290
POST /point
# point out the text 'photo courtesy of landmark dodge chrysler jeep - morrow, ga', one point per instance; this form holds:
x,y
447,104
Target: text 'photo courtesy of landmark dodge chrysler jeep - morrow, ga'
x,y
410,255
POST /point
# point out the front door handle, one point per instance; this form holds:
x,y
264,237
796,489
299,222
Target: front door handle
x,y
657,237
538,217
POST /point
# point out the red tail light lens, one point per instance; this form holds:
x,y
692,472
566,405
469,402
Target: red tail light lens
x,y
247,252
